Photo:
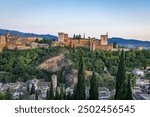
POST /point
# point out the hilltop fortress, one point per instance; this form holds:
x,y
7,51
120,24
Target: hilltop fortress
x,y
92,43
21,43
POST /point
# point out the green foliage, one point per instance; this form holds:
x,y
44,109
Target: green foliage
x,y
51,91
80,86
8,95
36,95
57,96
22,65
33,90
123,84
129,90
94,88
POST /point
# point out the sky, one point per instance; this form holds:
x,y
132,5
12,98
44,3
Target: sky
x,y
120,18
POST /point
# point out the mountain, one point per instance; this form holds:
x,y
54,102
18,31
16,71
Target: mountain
x,y
130,43
17,33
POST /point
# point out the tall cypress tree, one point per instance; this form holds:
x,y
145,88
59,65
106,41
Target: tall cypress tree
x,y
47,95
51,91
57,96
94,92
36,95
32,89
120,78
129,90
28,87
123,86
80,86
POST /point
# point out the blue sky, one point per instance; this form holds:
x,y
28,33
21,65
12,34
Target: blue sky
x,y
121,18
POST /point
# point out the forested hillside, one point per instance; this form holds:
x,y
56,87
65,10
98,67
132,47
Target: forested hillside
x,y
22,65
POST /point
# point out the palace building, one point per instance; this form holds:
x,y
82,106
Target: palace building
x,y
12,42
92,43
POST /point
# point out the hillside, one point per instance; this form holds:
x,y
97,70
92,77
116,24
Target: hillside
x,y
17,33
130,43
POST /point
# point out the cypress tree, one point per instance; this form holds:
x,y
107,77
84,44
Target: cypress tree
x,y
94,92
32,89
120,78
57,95
61,93
69,95
36,95
129,90
28,87
51,91
47,95
80,86
74,36
123,85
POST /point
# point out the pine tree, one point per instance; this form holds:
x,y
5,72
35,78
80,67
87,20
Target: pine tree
x,y
32,89
80,86
94,91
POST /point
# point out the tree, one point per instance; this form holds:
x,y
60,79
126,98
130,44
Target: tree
x,y
47,94
4,81
80,86
94,92
123,86
8,95
61,93
32,89
74,36
28,87
69,96
51,91
36,95
57,96
129,91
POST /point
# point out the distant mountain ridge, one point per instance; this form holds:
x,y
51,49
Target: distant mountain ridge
x,y
17,33
130,43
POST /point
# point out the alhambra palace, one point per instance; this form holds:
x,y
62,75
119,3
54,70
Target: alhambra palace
x,y
21,43
92,43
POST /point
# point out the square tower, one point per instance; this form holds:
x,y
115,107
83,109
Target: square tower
x,y
62,36
104,40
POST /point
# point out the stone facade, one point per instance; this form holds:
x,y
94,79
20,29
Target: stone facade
x,y
92,43
12,42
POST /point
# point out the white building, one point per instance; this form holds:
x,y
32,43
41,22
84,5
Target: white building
x,y
138,72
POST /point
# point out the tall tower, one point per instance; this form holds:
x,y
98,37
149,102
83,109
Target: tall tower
x,y
62,37
104,39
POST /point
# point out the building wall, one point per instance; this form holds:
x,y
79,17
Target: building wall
x,y
2,40
102,44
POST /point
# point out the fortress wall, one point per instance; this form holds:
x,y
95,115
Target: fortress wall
x,y
104,47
